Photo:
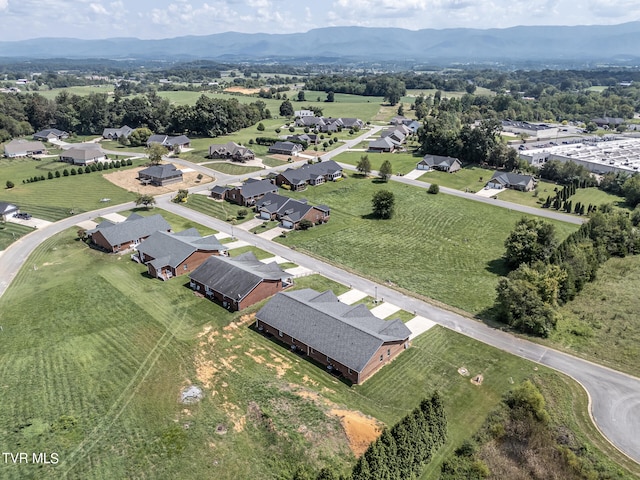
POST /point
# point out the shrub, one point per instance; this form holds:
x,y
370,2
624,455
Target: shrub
x,y
129,162
292,129
57,175
434,188
50,175
87,169
261,127
305,224
242,212
80,171
65,173
10,184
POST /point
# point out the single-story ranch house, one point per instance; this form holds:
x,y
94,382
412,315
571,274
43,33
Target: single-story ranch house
x,y
309,174
83,154
160,175
172,254
348,340
231,151
290,212
286,148
117,237
436,162
116,133
384,145
175,144
23,148
238,282
7,210
516,181
249,192
50,134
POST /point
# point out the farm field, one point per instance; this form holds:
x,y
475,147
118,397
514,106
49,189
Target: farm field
x,y
450,249
103,390
80,90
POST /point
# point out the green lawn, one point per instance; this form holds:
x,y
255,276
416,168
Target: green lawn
x,y
96,377
259,253
10,232
232,168
450,248
401,162
466,179
586,196
224,210
57,198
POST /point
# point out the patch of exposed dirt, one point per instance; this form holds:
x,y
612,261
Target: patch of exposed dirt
x,y
128,179
360,429
477,380
283,158
280,365
242,90
463,371
244,320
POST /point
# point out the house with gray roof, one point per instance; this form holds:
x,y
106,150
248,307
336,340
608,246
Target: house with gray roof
x,y
310,121
160,175
7,209
309,174
231,151
383,145
348,340
516,181
238,282
23,148
219,192
50,134
116,133
286,148
118,237
168,255
175,144
290,212
250,191
83,154
437,162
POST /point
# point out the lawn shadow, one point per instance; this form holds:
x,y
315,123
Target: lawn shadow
x,y
497,266
378,180
370,216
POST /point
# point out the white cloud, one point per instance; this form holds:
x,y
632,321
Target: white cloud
x,y
4,4
98,9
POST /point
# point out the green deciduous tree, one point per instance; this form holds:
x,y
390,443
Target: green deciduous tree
x,y
286,109
156,152
147,201
383,203
364,165
385,171
532,240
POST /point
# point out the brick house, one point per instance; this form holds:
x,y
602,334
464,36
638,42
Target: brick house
x,y
118,237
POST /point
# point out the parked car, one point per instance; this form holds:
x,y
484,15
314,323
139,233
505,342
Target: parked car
x,y
22,215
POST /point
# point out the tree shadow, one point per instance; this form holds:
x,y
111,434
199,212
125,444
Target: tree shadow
x,y
379,180
370,216
497,266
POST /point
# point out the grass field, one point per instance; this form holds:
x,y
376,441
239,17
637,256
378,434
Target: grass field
x,y
401,162
57,198
438,246
466,179
10,232
53,93
102,389
224,210
586,196
232,168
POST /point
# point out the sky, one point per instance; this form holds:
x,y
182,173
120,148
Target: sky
x,y
91,19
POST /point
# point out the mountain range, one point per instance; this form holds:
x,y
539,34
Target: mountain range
x,y
575,44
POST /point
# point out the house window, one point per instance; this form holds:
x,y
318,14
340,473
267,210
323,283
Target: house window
x,y
349,370
381,357
184,266
388,352
311,350
280,333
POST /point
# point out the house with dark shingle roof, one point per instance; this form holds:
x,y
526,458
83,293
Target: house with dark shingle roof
x,y
23,148
175,144
516,181
118,237
250,191
231,151
169,255
437,162
286,148
219,192
384,144
160,175
83,154
309,174
238,282
290,212
50,134
116,133
348,340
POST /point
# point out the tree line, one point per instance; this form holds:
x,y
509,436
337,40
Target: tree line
x,y
402,451
23,114
546,274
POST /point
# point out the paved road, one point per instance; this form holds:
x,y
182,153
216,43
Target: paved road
x,y
615,397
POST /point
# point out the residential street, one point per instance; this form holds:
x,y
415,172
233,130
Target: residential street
x,y
615,397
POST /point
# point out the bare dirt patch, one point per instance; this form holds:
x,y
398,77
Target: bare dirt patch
x,y
463,371
361,430
242,90
283,158
477,380
128,179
